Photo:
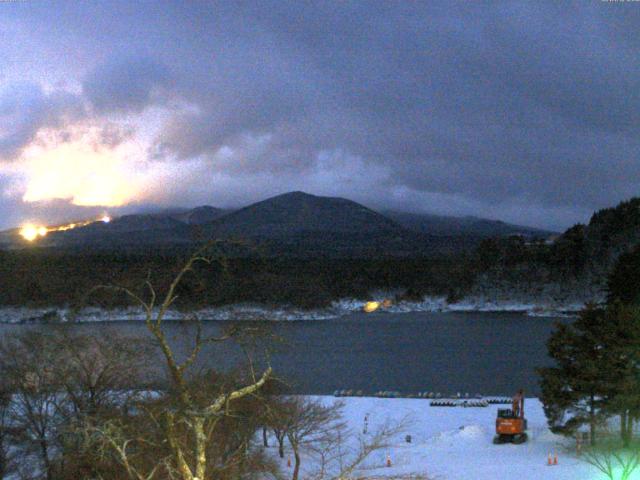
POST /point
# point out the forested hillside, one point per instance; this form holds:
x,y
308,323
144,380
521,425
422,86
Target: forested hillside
x,y
572,268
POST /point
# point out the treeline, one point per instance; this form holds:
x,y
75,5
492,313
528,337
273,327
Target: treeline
x,y
564,258
42,277
581,251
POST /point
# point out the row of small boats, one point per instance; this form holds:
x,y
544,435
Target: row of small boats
x,y
438,397
458,403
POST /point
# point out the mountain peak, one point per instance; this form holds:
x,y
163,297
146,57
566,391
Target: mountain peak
x,y
297,211
296,193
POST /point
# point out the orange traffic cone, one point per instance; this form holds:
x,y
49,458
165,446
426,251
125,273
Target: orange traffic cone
x,y
289,462
549,460
555,458
388,460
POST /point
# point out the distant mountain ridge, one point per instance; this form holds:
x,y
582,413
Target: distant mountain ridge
x,y
200,215
468,225
294,223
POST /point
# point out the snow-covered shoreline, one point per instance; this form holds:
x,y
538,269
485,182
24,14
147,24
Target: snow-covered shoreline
x,y
251,312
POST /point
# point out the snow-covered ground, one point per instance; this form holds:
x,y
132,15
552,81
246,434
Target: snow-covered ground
x,y
261,312
455,443
471,304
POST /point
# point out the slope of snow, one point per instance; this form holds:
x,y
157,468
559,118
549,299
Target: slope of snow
x,y
455,443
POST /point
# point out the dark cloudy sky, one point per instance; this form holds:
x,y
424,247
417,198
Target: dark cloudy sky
x,y
524,111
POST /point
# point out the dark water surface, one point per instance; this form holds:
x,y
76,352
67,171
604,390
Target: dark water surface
x,y
487,353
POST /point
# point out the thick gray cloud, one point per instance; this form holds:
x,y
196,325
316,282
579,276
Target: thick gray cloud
x,y
25,108
129,84
525,111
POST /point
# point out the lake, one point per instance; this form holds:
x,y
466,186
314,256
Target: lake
x,y
486,353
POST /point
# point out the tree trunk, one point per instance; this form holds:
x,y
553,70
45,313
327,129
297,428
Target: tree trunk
x,y
181,463
3,451
296,467
624,434
44,453
592,421
627,422
3,460
280,438
201,443
264,437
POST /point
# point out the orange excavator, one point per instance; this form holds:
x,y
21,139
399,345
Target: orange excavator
x,y
511,425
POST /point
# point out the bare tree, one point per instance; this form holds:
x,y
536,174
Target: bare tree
x,y
98,378
317,430
347,456
100,371
27,366
6,431
310,424
277,419
54,385
190,422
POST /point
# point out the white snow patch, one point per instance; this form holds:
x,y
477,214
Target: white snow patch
x,y
456,443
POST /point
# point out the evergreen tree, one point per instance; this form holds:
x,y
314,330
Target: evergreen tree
x,y
569,251
622,350
597,371
624,281
623,300
575,390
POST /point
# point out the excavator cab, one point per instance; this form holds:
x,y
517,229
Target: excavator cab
x,y
511,425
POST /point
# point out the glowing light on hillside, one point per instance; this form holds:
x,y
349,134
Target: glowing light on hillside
x,y
32,232
69,226
371,307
